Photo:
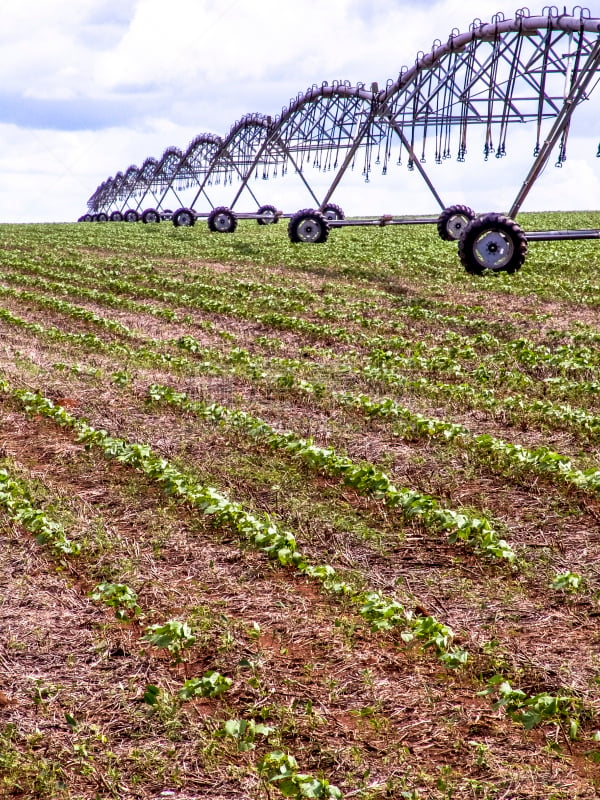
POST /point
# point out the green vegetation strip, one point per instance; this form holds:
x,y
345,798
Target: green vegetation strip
x,y
381,612
542,461
278,768
506,455
378,370
516,407
15,502
365,479
440,357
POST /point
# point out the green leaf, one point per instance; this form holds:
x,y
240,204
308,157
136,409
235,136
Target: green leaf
x,y
151,694
71,721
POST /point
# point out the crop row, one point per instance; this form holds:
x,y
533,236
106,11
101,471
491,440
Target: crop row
x,y
379,371
240,288
262,533
542,461
334,302
204,296
371,257
276,767
365,478
549,285
381,612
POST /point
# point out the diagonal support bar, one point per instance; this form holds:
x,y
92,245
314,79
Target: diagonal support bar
x,y
416,161
560,123
348,160
277,141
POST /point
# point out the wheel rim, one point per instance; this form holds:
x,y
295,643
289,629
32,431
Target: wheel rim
x,y
331,215
184,219
152,216
456,225
309,230
493,249
222,222
267,217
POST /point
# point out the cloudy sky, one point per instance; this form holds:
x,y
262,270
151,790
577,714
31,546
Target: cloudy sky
x,y
89,87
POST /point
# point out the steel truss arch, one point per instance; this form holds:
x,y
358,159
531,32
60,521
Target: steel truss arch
x,y
126,187
528,68
319,123
161,176
231,155
508,71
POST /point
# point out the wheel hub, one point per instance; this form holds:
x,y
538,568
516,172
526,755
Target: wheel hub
x,y
493,249
308,231
223,222
456,225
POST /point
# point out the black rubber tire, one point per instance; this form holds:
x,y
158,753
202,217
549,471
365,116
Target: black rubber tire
x,y
87,218
222,220
184,218
332,213
269,217
101,217
131,215
453,221
150,215
116,216
308,227
492,243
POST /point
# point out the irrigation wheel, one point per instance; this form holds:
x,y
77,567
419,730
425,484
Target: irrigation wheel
x,y
492,242
101,217
150,215
116,216
453,221
332,213
308,226
222,220
267,215
184,218
131,215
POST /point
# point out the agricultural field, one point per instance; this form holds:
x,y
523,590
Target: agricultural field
x,y
291,520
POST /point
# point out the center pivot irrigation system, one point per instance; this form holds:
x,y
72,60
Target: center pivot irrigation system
x,y
535,69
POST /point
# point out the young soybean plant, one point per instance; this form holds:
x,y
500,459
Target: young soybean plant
x,y
118,596
211,684
281,770
173,635
245,731
569,582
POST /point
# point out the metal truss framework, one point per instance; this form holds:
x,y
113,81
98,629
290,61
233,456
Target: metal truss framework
x,y
528,69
